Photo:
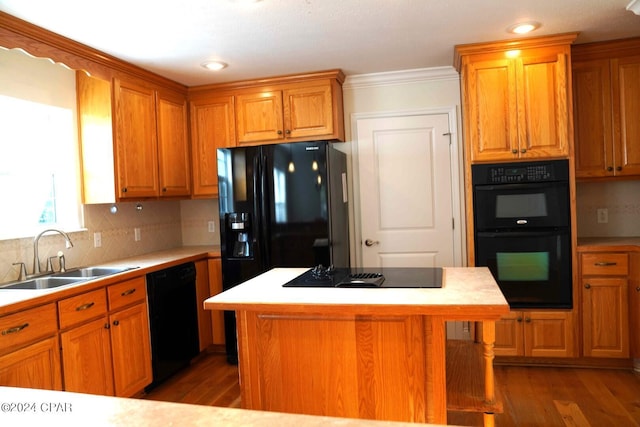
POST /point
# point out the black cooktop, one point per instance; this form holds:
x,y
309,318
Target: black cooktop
x,y
323,277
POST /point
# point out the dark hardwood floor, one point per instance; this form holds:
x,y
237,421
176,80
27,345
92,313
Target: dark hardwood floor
x,y
533,396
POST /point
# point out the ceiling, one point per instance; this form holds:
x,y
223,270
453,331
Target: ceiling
x,y
278,37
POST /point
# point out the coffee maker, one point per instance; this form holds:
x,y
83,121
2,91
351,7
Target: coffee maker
x,y
238,234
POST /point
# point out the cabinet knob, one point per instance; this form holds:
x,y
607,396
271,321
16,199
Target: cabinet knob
x,y
619,168
587,286
116,322
164,189
107,326
518,319
279,132
287,131
124,190
637,288
527,320
524,150
514,151
609,168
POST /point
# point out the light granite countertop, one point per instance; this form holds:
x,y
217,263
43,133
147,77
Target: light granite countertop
x,y
17,299
467,292
23,406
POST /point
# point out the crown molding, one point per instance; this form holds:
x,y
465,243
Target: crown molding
x,y
391,78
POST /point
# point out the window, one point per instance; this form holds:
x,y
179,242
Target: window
x,y
38,150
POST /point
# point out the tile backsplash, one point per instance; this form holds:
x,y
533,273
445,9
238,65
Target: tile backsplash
x,y
162,225
621,202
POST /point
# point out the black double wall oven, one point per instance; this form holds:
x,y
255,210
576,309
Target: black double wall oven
x,y
523,230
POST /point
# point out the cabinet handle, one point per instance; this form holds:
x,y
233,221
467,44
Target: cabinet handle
x,y
107,326
524,150
116,322
518,319
527,319
514,151
637,288
619,168
287,131
609,168
605,263
164,189
14,329
128,292
587,286
124,190
279,132
85,306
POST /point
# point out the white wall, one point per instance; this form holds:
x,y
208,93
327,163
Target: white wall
x,y
436,89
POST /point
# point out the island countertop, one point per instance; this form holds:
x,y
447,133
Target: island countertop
x,y
466,292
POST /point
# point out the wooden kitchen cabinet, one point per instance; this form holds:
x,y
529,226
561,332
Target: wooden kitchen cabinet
x,y
295,113
85,343
605,305
606,80
202,293
634,306
215,287
546,333
152,152
212,127
174,157
280,109
516,98
29,349
134,140
105,340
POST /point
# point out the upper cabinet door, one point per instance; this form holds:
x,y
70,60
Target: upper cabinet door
x,y
491,109
259,117
173,145
592,118
135,141
626,113
212,127
308,111
543,114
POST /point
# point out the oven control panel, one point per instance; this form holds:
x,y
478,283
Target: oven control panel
x,y
508,173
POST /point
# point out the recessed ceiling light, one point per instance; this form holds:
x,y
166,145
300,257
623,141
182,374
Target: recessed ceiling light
x,y
214,65
523,27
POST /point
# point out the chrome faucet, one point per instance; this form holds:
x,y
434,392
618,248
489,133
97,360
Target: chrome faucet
x,y
36,240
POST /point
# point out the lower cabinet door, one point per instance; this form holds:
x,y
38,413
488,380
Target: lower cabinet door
x,y
131,350
34,366
86,358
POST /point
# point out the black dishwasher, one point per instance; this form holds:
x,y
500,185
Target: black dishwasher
x,y
173,320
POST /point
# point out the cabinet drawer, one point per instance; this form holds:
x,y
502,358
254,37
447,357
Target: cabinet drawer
x,y
604,264
126,293
82,307
27,325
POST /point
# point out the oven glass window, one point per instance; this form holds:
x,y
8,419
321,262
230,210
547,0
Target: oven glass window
x,y
521,205
523,266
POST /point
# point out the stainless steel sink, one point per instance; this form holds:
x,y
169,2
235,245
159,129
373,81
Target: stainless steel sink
x,y
66,278
44,283
92,272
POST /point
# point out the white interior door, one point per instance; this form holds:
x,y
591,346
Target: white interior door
x,y
406,192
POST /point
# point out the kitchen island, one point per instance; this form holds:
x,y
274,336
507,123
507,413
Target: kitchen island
x,y
362,353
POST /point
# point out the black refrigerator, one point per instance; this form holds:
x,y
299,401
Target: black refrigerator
x,y
281,205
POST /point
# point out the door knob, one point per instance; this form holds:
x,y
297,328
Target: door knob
x,y
370,242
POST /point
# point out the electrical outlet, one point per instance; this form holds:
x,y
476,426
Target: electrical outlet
x,y
97,240
603,216
212,226
136,234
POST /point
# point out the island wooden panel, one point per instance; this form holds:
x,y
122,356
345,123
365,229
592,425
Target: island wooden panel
x,y
350,366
